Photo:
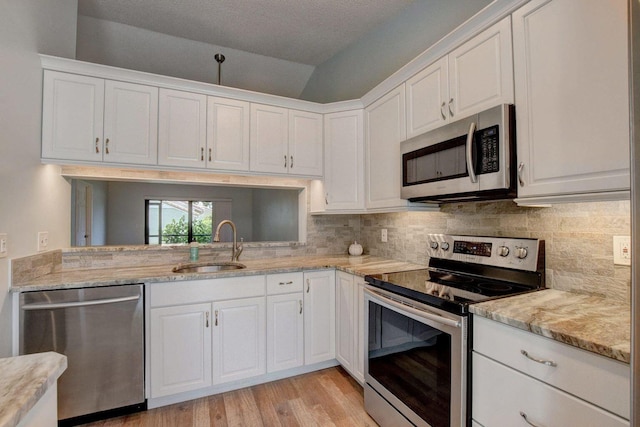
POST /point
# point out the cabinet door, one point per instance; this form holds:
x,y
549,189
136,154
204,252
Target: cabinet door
x,y
72,117
227,134
481,72
427,98
183,129
239,339
345,321
572,96
269,139
320,316
359,349
130,123
344,161
504,397
305,143
180,354
385,129
285,332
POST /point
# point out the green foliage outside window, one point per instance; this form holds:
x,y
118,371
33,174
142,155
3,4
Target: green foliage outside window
x,y
177,231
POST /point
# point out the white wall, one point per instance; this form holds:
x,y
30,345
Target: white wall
x,y
124,46
33,197
367,62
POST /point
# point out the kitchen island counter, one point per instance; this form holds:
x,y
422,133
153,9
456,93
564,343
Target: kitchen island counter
x,y
597,324
24,380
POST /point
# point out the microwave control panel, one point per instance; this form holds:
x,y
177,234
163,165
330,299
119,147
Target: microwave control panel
x,y
487,140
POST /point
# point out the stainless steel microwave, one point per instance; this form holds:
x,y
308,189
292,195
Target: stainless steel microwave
x,y
470,159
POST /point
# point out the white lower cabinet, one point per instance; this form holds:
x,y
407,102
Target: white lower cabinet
x,y
320,316
239,339
285,322
350,324
180,348
512,384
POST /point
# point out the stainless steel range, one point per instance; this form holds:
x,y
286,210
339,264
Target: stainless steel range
x,y
417,356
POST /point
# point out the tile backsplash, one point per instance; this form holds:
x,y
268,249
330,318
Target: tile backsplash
x,y
578,238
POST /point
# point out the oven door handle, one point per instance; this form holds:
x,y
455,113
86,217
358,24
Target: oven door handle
x,y
417,311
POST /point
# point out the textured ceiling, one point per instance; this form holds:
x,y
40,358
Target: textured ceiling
x,y
302,31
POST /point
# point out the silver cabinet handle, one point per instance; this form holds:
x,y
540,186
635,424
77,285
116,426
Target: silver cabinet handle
x,y
520,172
97,148
526,420
207,321
472,172
444,115
308,284
216,321
209,154
285,161
450,107
49,306
291,163
285,283
202,154
542,361
300,301
106,146
326,199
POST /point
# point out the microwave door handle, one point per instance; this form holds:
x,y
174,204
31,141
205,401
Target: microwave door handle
x,y
472,172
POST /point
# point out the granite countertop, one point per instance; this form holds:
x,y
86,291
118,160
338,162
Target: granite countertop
x,y
24,380
67,279
592,323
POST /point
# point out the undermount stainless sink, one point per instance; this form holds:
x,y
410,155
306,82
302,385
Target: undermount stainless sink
x,y
208,268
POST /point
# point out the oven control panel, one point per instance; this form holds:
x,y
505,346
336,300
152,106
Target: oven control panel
x,y
517,253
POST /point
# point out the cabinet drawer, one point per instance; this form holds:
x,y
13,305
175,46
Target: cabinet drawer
x,y
205,290
284,283
597,379
501,394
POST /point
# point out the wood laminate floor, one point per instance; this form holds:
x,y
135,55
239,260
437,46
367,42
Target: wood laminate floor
x,y
329,397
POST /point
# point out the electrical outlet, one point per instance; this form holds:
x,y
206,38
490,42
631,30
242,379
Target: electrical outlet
x,y
4,243
43,240
622,250
383,235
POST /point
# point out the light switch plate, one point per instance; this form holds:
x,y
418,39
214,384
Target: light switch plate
x,y
383,235
4,245
622,250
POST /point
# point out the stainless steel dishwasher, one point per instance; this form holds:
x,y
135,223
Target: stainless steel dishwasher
x,y
101,331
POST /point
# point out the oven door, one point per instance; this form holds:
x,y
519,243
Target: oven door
x,y
415,363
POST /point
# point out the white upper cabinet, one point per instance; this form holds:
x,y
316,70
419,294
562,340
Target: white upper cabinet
x,y
305,143
130,123
385,129
572,98
344,161
475,76
227,134
90,119
269,139
285,141
182,136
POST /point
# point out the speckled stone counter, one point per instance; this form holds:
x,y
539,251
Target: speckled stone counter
x,y
66,279
592,323
24,380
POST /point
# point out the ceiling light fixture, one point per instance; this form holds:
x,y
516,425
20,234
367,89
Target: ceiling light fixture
x,y
219,59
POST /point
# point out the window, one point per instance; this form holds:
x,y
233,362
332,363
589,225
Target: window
x,y
178,221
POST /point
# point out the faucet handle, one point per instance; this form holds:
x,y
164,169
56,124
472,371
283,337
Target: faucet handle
x,y
239,249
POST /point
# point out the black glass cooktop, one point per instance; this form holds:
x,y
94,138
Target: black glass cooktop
x,y
449,291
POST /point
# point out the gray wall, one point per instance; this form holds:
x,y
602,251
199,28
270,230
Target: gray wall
x,y
124,46
34,196
367,62
275,215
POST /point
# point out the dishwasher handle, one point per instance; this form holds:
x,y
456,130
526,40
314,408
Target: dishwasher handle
x,y
51,306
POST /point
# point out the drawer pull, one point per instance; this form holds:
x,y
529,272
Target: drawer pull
x,y
544,362
285,283
523,415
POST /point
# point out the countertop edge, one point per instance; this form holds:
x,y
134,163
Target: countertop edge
x,y
25,379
